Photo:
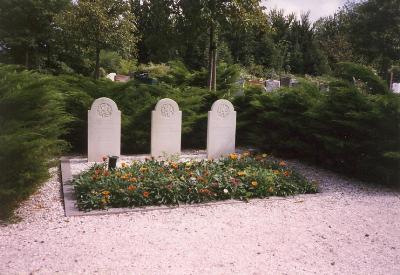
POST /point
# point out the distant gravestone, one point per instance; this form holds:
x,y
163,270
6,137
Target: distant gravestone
x,y
221,129
272,85
286,81
104,129
294,82
166,128
111,76
396,88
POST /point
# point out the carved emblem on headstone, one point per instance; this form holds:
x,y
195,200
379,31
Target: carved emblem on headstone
x,y
223,110
104,110
167,110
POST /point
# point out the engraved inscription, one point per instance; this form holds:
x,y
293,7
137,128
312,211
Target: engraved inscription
x,y
167,110
223,110
104,110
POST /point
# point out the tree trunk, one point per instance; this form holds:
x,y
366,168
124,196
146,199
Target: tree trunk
x,y
27,57
211,57
97,68
214,69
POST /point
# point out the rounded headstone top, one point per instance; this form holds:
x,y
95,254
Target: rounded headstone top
x,y
104,107
167,107
222,108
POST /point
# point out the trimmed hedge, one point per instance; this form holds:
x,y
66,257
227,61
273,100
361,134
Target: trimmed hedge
x,y
32,119
344,130
372,83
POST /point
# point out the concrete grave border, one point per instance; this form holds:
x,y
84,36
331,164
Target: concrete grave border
x,y
71,209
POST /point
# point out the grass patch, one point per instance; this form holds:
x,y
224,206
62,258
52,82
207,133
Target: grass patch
x,y
170,182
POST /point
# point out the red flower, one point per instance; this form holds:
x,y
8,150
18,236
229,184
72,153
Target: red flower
x,y
146,194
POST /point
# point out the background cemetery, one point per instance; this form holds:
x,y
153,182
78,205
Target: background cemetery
x,y
321,93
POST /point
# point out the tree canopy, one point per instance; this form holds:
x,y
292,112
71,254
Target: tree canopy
x,y
68,36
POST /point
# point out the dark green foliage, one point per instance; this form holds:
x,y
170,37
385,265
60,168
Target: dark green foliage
x,y
32,119
344,129
373,83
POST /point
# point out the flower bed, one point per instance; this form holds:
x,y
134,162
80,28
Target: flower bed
x,y
170,183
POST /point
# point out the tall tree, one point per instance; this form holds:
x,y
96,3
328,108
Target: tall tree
x,y
374,28
26,29
332,35
100,25
219,13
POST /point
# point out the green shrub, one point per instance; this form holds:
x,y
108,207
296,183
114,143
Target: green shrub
x,y
373,83
32,119
344,129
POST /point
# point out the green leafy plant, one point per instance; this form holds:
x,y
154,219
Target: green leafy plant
x,y
170,183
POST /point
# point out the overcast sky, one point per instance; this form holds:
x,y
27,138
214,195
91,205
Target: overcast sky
x,y
317,8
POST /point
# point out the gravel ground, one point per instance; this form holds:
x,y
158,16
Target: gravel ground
x,y
348,228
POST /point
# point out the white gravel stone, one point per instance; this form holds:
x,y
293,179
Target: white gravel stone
x,y
348,228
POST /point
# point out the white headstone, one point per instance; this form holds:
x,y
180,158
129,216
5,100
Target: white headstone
x,y
271,85
166,129
104,129
221,129
111,76
396,88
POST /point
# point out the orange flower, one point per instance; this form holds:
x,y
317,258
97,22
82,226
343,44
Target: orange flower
x,y
106,173
146,194
246,154
205,191
132,180
106,193
123,164
174,165
254,183
271,189
287,173
282,163
132,187
97,171
233,156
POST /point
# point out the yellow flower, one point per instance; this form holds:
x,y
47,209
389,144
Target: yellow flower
x,y
143,169
123,164
254,183
264,155
233,156
242,173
